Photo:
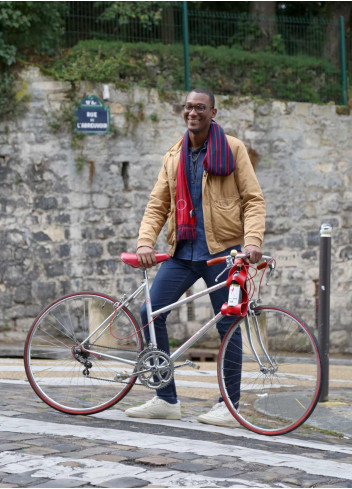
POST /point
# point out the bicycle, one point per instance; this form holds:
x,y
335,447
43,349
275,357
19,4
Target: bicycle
x,y
95,345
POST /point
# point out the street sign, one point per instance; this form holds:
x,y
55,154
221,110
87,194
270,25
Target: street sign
x,y
92,117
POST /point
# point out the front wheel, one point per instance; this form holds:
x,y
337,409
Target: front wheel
x,y
269,371
70,363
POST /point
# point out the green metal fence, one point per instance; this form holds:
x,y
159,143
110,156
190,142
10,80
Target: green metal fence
x,y
312,37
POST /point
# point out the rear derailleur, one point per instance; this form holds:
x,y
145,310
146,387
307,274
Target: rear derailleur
x,y
82,356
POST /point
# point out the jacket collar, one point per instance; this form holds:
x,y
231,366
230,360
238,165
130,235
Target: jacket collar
x,y
176,148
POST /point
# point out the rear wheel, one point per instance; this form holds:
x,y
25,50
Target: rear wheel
x,y
272,384
72,376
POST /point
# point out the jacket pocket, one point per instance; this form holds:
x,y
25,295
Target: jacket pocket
x,y
227,218
171,230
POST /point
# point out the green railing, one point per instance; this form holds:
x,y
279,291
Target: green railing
x,y
312,37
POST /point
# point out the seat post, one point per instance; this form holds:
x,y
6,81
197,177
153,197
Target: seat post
x,y
149,309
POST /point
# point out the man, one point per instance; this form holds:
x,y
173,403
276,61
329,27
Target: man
x,y
208,189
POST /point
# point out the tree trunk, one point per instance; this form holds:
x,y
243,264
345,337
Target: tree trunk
x,y
168,25
334,11
264,13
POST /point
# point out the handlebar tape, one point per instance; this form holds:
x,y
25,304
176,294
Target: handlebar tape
x,y
215,261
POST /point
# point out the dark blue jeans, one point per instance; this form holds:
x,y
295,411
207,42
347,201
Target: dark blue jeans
x,y
174,277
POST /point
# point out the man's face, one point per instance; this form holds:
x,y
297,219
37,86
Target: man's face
x,y
198,122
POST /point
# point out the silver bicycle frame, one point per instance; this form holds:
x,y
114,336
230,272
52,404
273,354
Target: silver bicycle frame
x,y
201,332
152,314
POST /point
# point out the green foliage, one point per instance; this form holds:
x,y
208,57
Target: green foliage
x,y
80,162
148,13
30,27
224,70
174,343
7,92
26,28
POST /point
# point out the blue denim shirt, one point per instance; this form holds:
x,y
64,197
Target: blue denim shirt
x,y
197,250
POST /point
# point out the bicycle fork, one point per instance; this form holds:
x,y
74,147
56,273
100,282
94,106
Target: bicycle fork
x,y
272,368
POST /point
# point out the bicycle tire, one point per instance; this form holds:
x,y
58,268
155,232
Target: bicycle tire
x,y
281,396
56,372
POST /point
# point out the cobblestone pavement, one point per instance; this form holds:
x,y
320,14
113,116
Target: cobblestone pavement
x,y
40,447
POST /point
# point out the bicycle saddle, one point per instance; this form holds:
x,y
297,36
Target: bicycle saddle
x,y
132,260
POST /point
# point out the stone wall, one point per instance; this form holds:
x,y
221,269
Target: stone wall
x,y
69,207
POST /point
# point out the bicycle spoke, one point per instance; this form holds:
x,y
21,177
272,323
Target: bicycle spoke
x,y
65,375
276,396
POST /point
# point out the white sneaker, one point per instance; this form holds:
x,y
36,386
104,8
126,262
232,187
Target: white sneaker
x,y
156,408
219,415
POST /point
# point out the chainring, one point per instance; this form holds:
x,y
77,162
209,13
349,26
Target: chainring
x,y
155,369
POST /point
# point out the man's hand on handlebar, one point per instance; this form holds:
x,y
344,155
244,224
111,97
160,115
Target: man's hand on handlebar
x,y
254,253
146,256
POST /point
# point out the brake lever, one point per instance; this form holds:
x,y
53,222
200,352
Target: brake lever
x,y
271,271
229,264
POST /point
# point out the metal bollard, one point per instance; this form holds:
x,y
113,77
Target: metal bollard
x,y
324,305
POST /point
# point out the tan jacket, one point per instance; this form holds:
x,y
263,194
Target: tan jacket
x,y
233,206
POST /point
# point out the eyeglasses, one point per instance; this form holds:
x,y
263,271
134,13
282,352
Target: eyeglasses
x,y
199,108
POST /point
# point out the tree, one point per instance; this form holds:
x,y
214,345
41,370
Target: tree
x,y
147,13
333,11
30,27
264,14
26,28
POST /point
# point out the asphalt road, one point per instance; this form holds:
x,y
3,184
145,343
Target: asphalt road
x,y
40,447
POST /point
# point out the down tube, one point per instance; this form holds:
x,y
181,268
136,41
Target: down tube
x,y
180,351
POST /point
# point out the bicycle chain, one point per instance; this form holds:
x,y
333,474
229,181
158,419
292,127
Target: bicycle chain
x,y
106,380
144,382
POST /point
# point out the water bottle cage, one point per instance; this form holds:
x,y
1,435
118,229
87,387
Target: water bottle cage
x,y
241,278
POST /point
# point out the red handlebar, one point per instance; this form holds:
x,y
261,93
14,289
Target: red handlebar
x,y
222,259
215,261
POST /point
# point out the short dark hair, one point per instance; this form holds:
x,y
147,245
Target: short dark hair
x,y
207,92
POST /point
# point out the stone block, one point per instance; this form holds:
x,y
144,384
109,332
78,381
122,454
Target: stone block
x,y
101,201
116,108
313,238
346,253
115,248
51,86
54,269
64,250
106,267
87,233
94,216
339,339
264,109
190,467
93,250
222,473
124,482
103,233
294,240
13,275
22,294
156,460
63,218
44,290
59,483
46,203
24,479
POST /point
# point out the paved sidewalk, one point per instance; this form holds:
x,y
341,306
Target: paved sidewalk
x,y
333,416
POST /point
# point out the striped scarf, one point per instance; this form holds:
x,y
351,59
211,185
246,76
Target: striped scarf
x,y
218,160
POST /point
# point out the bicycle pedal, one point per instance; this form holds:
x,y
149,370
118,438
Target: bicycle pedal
x,y
192,364
121,376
